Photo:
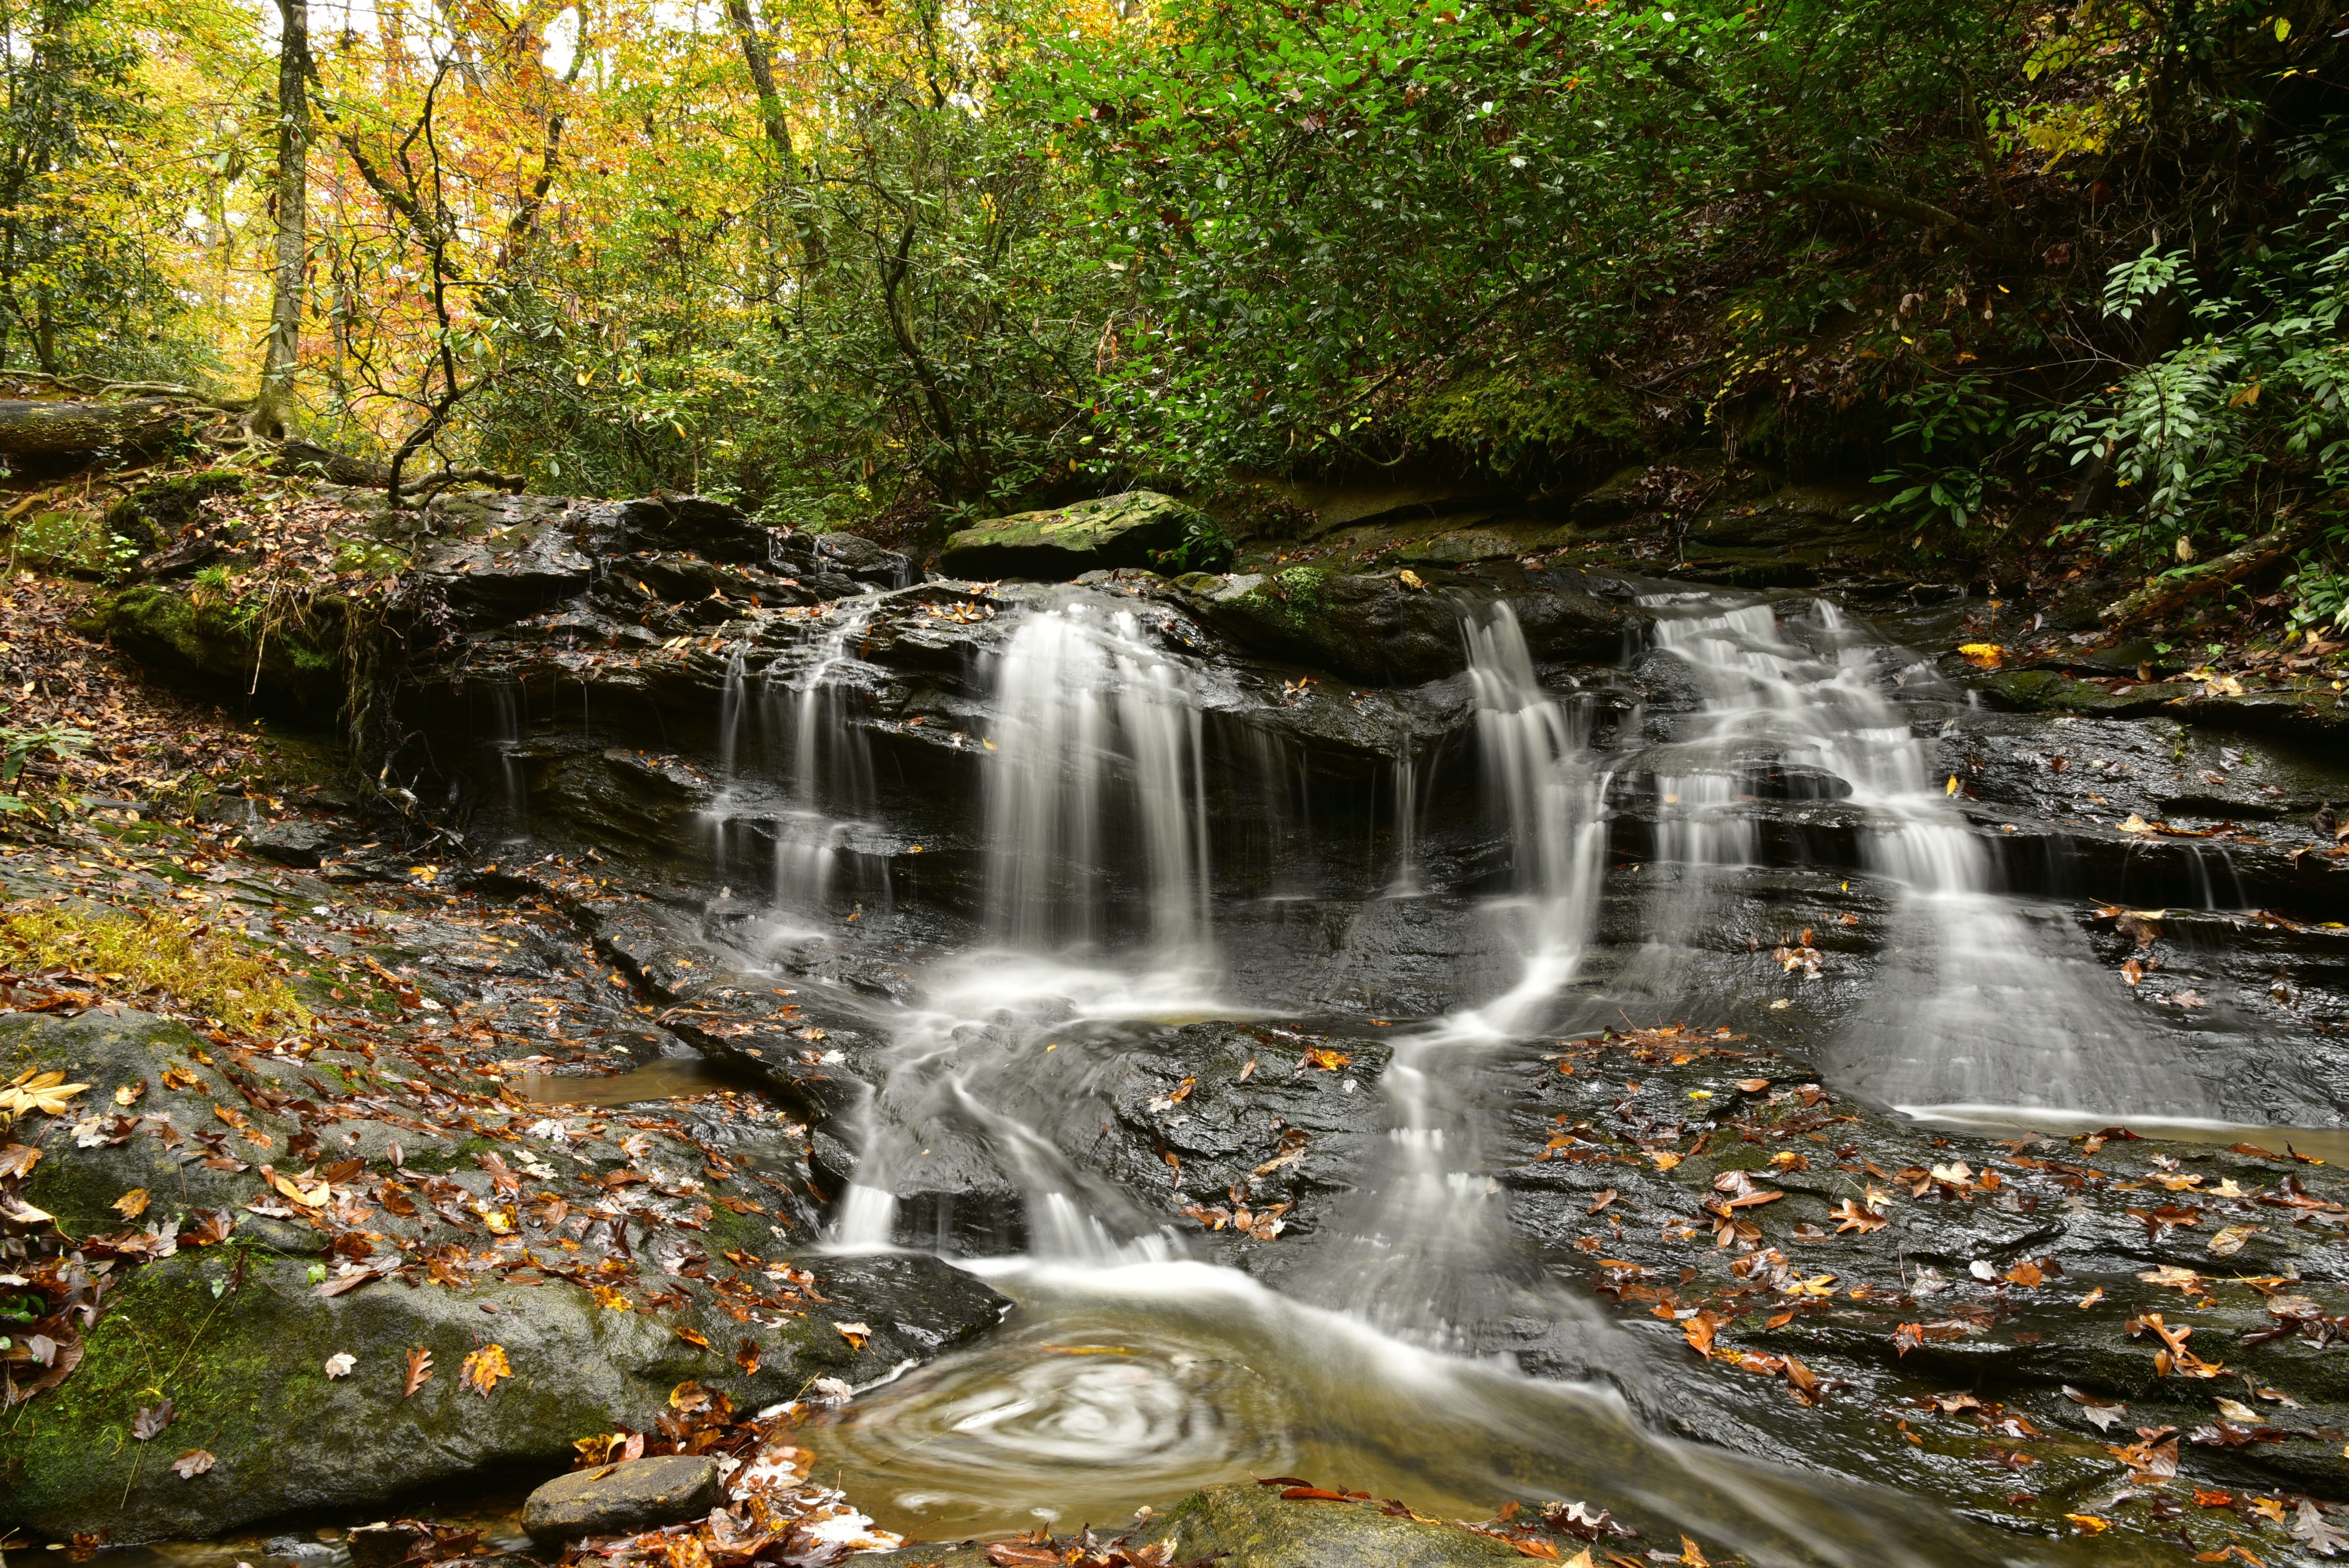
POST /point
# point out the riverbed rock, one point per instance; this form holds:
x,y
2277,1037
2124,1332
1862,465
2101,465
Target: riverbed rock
x,y
1260,1528
240,1347
1387,629
622,1499
1240,1524
1137,529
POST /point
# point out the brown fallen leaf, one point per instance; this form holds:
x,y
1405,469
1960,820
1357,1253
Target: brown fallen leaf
x,y
1311,1494
151,1420
2091,1299
483,1368
1600,1201
2026,1274
419,1370
747,1358
692,1337
193,1463
1855,1217
856,1333
131,1205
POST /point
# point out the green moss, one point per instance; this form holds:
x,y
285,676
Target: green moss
x,y
1504,415
72,541
151,515
167,1336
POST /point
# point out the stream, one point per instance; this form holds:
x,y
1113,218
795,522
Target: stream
x,y
1121,896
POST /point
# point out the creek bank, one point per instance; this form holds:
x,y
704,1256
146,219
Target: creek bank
x,y
369,1186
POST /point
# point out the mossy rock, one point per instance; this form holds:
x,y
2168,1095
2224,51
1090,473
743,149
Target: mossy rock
x,y
243,1366
108,1051
74,543
1139,528
154,514
201,635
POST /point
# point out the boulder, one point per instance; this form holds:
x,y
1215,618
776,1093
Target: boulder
x,y
198,635
623,1499
1253,1526
290,843
1139,528
150,516
240,1349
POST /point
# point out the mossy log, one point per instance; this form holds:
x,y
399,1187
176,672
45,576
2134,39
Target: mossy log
x,y
34,429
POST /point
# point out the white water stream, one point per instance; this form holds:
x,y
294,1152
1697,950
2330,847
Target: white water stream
x,y
1130,1374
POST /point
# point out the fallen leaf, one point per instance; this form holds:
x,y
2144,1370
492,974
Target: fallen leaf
x,y
2088,1523
193,1463
692,1337
2311,1528
2103,1412
1690,1556
419,1370
1856,1218
2229,1242
131,1205
856,1333
151,1420
483,1368
340,1363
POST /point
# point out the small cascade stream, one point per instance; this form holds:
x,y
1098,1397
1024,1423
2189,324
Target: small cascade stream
x,y
1988,1003
1375,1347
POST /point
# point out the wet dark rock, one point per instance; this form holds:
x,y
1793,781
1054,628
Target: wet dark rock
x,y
291,844
621,1498
1136,529
1381,630
1258,1528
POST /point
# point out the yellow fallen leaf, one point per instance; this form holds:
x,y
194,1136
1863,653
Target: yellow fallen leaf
x,y
483,1368
131,1205
1982,655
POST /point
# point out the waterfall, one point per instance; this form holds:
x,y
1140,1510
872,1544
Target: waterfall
x,y
507,698
1539,784
1405,776
1983,1000
1095,804
1418,1257
1096,744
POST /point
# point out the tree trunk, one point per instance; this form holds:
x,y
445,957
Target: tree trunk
x,y
32,429
2165,594
759,61
292,197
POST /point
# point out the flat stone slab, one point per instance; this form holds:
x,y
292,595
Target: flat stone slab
x,y
622,1499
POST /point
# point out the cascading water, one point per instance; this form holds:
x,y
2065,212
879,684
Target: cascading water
x,y
1419,1260
1984,1002
814,778
1097,734
1093,804
507,699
